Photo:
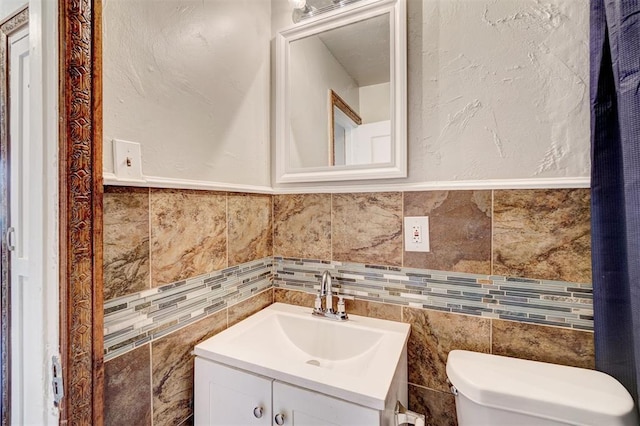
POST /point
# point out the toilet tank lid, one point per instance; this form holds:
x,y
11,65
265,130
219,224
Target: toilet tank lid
x,y
570,394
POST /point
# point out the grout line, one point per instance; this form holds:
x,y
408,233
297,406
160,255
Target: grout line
x,y
151,381
150,240
272,221
492,232
402,228
491,335
226,207
330,227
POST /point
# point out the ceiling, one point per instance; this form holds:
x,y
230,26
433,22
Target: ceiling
x,y
363,49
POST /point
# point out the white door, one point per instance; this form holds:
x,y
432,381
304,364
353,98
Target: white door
x,y
19,193
32,175
370,144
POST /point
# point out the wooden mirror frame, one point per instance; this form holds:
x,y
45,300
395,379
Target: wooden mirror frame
x,y
335,101
80,218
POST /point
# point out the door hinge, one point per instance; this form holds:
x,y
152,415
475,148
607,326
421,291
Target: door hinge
x,y
56,381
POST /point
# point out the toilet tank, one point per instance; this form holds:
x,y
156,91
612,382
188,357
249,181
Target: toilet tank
x,y
498,390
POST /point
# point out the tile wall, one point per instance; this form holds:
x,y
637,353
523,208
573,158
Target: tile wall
x,y
535,234
158,237
160,247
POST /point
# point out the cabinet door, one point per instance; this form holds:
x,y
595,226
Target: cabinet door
x,y
302,407
225,396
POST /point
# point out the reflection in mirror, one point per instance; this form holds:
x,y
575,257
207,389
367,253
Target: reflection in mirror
x,y
351,61
341,95
344,121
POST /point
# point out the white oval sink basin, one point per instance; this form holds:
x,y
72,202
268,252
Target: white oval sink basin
x,y
326,340
354,360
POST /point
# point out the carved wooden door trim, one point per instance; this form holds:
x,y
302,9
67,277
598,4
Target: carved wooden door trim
x,y
81,298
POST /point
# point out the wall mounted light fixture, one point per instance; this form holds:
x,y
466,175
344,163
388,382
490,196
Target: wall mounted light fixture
x,y
305,9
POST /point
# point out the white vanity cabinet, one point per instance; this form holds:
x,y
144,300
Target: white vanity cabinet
x,y
226,396
303,407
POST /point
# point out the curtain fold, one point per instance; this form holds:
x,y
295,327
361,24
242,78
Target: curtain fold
x,y
615,187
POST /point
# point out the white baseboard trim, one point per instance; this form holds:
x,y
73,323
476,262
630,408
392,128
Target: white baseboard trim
x,y
549,183
162,182
171,183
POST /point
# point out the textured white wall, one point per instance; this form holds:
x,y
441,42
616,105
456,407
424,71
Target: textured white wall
x,y
497,89
314,71
189,80
504,90
375,103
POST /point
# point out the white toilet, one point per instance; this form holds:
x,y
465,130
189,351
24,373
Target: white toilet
x,y
497,390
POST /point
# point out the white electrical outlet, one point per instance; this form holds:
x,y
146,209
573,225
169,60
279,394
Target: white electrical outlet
x,y
416,233
127,159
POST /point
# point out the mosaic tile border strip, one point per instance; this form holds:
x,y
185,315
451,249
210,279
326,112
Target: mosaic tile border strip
x,y
136,319
556,303
139,318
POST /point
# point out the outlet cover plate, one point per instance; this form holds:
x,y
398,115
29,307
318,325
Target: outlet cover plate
x,y
419,241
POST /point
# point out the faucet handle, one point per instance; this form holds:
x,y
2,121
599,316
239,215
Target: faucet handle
x,y
318,303
341,307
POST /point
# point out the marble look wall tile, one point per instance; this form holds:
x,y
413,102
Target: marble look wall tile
x,y
293,297
127,389
188,234
367,228
250,232
433,335
438,407
369,309
187,422
126,240
459,230
172,370
248,307
302,226
542,234
543,343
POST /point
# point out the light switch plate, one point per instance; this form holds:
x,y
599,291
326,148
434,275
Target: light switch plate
x,y
127,159
416,233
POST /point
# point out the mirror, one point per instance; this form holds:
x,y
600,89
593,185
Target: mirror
x,y
341,95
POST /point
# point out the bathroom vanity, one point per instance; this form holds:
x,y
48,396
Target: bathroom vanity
x,y
282,366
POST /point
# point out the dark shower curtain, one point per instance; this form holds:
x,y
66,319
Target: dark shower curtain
x,y
615,187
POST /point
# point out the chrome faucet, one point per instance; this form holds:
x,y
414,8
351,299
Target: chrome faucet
x,y
326,291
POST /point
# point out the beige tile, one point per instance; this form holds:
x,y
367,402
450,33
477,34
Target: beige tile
x,y
127,389
248,307
459,230
172,369
543,343
250,232
294,297
126,240
367,228
188,234
542,234
302,226
433,335
438,407
369,309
